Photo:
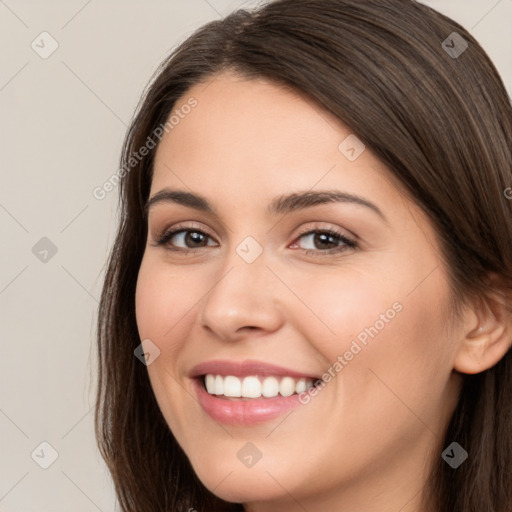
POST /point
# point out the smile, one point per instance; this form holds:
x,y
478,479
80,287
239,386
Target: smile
x,y
255,386
245,393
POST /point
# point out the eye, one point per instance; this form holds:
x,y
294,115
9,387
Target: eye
x,y
326,241
189,239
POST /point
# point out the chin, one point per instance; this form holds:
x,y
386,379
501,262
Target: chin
x,y
241,485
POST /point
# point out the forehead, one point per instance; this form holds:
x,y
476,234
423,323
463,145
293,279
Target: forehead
x,y
246,126
253,115
251,139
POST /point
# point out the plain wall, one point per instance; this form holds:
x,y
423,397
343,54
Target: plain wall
x,y
63,119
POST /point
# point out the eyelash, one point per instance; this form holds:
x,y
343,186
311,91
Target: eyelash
x,y
348,243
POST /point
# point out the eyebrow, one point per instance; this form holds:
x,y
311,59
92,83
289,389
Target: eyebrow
x,y
280,205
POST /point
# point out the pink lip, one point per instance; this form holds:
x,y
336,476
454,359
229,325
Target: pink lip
x,y
249,411
243,412
245,368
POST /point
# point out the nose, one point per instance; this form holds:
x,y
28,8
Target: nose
x,y
244,299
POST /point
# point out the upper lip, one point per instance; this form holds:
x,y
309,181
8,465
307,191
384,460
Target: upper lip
x,y
244,369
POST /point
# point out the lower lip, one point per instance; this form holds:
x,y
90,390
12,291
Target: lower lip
x,y
243,412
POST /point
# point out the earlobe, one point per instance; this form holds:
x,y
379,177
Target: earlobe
x,y
488,337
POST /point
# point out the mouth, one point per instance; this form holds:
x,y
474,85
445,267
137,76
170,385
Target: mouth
x,y
254,386
249,392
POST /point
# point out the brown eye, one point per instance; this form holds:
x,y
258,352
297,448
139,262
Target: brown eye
x,y
183,239
325,241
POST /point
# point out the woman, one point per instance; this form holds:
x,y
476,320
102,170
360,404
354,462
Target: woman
x,y
307,306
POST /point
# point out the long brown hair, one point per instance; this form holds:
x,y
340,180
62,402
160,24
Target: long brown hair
x,y
441,122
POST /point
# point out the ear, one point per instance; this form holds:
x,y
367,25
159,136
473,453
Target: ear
x,y
487,334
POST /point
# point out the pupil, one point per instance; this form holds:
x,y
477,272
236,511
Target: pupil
x,y
194,237
324,238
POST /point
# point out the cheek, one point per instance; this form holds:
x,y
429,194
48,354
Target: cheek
x,y
163,297
407,361
366,327
339,306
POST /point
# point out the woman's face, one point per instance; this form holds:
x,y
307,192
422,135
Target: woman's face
x,y
251,296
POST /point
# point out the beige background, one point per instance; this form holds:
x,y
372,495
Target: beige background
x,y
63,119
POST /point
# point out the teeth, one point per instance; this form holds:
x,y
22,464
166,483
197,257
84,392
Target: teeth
x,y
251,387
210,384
219,385
287,386
255,387
300,387
270,387
232,386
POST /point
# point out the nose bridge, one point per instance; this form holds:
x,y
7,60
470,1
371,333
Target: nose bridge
x,y
244,293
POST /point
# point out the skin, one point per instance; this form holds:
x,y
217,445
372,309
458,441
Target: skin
x,y
366,438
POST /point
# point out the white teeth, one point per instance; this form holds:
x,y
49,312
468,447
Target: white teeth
x,y
255,387
270,387
251,387
210,384
287,386
300,387
232,386
219,385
